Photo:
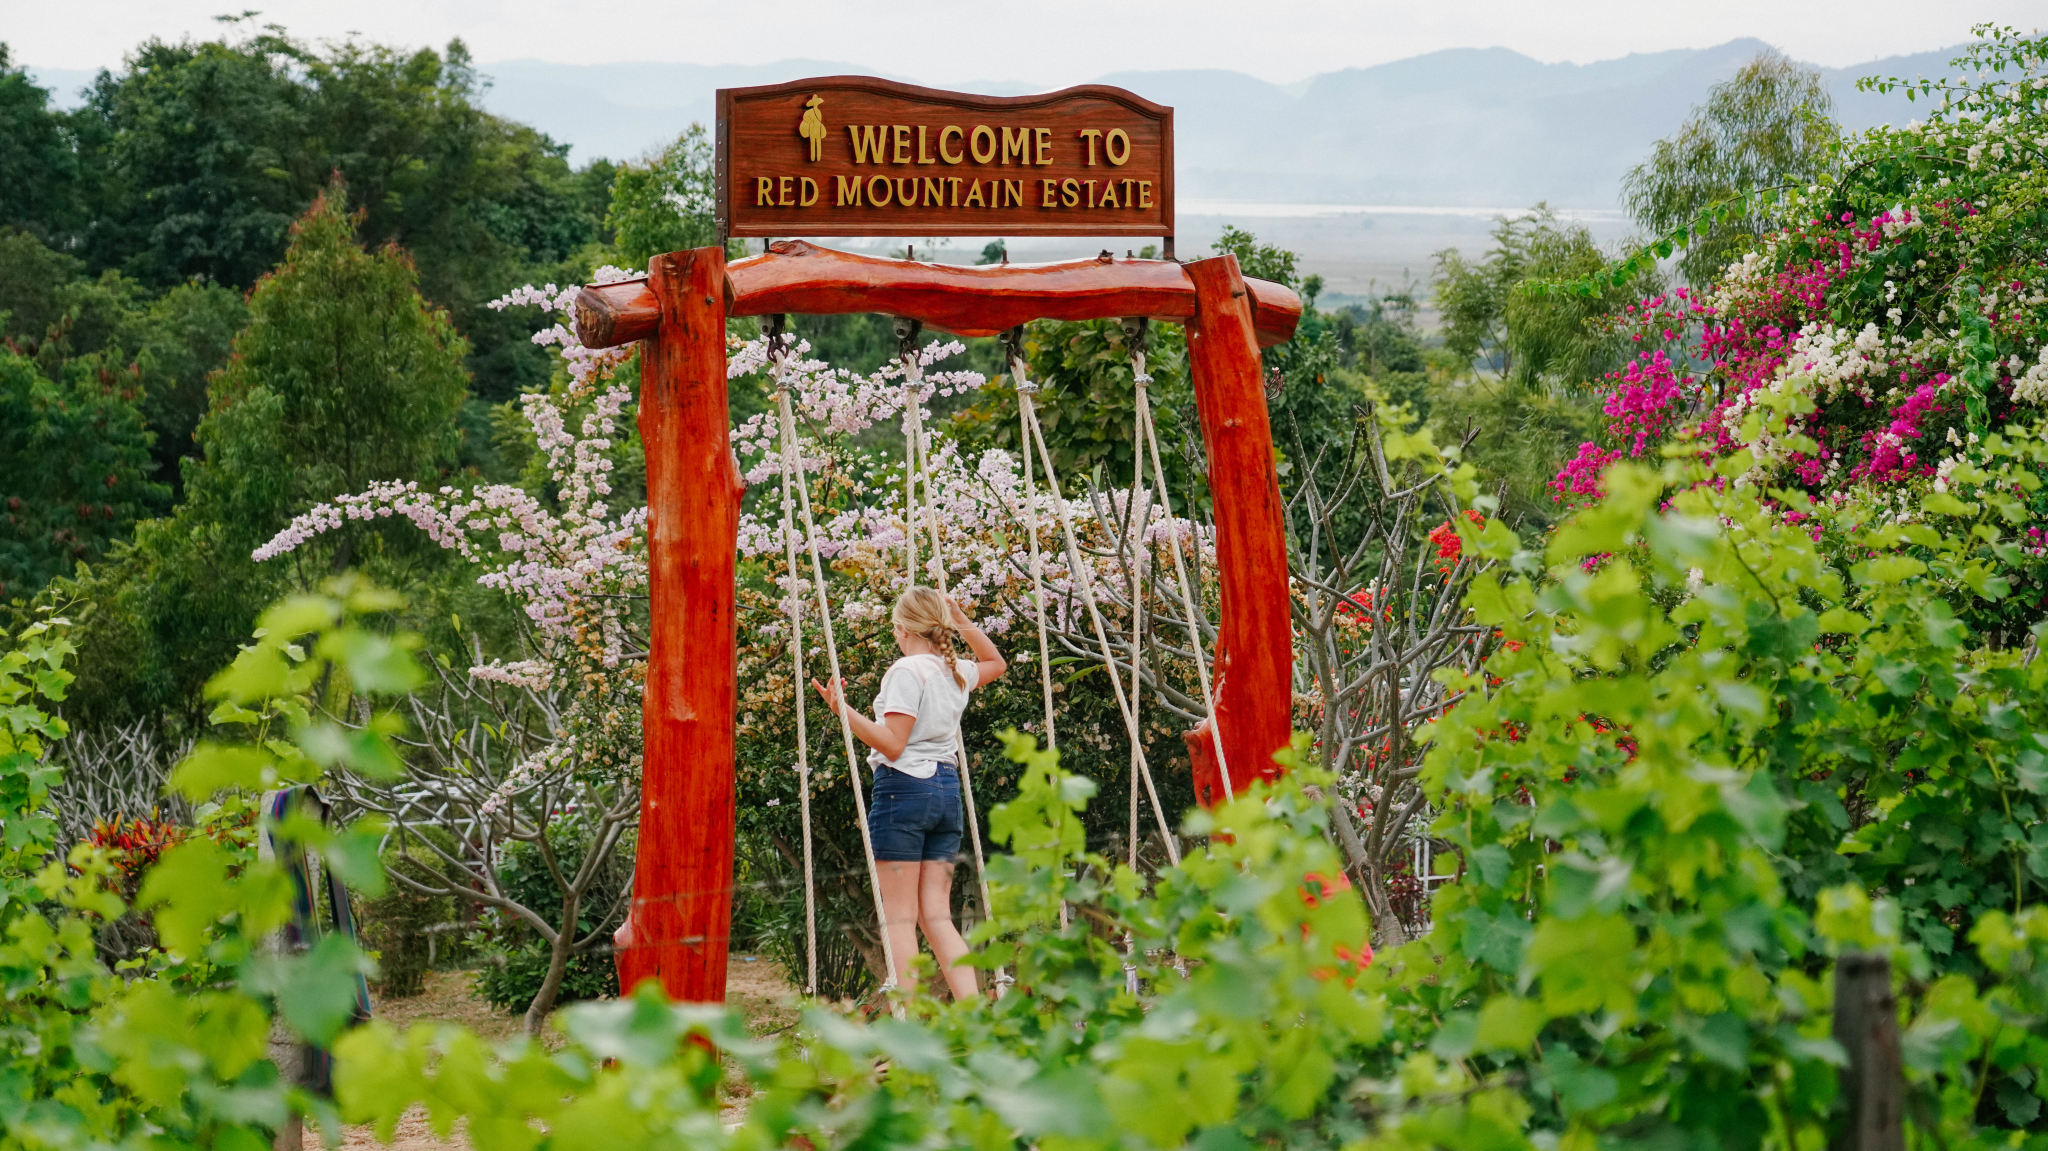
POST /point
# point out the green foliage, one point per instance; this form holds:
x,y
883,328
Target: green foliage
x,y
73,457
343,376
38,169
1087,402
173,1052
1767,126
1529,409
665,202
394,927
160,349
1533,341
515,957
511,977
193,159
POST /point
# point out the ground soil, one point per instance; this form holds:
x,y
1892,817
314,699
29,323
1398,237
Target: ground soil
x,y
753,986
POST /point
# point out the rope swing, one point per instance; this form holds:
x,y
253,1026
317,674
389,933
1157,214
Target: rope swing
x,y
920,508
917,463
1082,574
791,467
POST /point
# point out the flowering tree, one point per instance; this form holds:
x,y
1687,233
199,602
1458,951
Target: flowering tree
x,y
1876,344
543,750
1379,610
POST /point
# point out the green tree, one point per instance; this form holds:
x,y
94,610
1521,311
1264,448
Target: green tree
x,y
1767,126
665,202
74,462
186,154
343,376
68,323
1522,360
38,167
198,156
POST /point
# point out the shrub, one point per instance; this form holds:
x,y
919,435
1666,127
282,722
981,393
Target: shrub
x,y
511,977
395,928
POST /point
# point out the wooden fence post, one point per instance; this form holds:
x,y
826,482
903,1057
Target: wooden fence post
x,y
1255,640
1867,1027
682,877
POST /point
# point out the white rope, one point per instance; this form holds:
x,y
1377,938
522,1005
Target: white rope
x,y
1149,442
1083,574
918,460
1025,388
790,468
1134,536
860,807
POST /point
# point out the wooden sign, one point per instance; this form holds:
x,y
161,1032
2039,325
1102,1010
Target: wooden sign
x,y
858,156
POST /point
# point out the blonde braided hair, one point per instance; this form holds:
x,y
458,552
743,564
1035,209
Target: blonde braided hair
x,y
924,613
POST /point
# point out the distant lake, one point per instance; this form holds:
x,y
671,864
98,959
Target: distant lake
x,y
1265,210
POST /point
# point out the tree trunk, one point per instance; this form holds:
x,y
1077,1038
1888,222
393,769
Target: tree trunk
x,y
1371,877
558,966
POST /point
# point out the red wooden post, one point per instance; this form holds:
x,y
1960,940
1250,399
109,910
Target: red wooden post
x,y
682,880
1254,644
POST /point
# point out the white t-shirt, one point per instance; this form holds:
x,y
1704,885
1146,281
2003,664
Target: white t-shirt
x,y
920,685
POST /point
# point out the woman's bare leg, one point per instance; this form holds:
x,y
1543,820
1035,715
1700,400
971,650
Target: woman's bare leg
x,y
935,915
899,913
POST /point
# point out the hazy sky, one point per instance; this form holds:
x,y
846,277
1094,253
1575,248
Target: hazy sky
x,y
1045,41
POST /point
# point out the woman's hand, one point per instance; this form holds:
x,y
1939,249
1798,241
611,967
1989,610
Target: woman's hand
x,y
957,615
834,696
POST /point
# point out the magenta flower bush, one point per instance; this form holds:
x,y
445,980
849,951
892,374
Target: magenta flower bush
x,y
1871,346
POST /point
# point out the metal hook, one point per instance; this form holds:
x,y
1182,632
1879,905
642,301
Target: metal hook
x,y
1137,331
907,330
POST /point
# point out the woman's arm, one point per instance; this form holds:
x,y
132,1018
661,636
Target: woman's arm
x,y
986,657
889,737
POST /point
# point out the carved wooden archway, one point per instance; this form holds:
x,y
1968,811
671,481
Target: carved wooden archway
x,y
682,882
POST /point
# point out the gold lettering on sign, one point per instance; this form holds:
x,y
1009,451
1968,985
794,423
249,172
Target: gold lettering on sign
x,y
949,131
1144,193
880,199
868,140
1117,146
922,156
764,191
974,199
1017,143
1109,195
1049,194
1091,135
906,192
974,143
1091,193
934,192
847,191
1044,145
783,192
808,188
902,155
1013,193
1070,192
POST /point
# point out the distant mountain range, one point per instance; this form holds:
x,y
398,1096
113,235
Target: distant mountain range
x,y
1465,127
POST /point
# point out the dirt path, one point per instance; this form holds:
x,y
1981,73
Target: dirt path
x,y
752,984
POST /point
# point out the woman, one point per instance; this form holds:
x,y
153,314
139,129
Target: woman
x,y
915,818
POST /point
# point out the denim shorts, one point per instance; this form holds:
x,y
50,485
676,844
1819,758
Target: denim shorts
x,y
913,819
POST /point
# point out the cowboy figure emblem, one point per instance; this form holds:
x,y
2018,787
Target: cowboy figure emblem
x,y
813,127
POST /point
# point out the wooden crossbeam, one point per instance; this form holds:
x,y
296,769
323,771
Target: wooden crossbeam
x,y
801,278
